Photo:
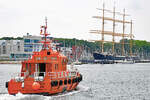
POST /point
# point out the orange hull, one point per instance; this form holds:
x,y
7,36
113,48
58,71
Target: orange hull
x,y
47,86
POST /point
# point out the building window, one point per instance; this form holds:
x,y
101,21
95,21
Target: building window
x,y
28,45
36,41
27,40
4,49
18,48
10,48
0,50
27,50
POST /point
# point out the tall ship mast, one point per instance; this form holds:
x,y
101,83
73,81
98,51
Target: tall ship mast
x,y
113,33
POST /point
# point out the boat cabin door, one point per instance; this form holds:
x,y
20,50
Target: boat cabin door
x,y
41,69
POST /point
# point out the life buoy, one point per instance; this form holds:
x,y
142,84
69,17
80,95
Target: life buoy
x,y
35,86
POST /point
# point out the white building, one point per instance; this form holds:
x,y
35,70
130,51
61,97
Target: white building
x,y
8,47
19,49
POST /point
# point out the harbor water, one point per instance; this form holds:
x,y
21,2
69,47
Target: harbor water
x,y
100,82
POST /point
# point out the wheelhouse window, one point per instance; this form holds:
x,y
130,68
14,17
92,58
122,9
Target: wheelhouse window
x,y
48,53
64,61
56,66
26,67
29,69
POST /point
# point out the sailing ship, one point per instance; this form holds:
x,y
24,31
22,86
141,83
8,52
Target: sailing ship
x,y
113,57
45,72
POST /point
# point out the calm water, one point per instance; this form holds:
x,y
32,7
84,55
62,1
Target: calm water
x,y
101,82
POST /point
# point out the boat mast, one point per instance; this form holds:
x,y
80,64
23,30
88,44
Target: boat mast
x,y
112,33
123,32
102,35
113,38
131,36
45,42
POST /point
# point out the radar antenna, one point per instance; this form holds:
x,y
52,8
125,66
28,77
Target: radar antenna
x,y
46,43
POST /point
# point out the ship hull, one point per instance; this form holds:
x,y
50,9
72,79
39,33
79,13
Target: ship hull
x,y
99,57
47,87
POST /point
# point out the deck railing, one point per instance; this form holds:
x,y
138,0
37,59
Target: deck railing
x,y
53,75
22,74
19,76
62,74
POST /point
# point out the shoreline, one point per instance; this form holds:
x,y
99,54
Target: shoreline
x,y
10,62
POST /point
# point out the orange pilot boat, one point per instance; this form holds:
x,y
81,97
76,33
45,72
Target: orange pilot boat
x,y
44,73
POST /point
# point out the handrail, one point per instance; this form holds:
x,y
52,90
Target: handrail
x,y
36,74
19,74
52,75
62,74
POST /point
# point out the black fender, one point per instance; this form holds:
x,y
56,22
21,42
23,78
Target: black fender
x,y
65,82
6,84
52,83
56,83
69,81
60,82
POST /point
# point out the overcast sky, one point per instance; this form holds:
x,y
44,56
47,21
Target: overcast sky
x,y
68,18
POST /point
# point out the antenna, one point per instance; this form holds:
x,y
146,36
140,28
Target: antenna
x,y
45,42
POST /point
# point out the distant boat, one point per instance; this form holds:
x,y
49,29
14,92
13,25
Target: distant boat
x,y
77,62
129,61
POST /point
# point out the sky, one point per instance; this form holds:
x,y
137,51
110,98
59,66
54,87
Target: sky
x,y
68,18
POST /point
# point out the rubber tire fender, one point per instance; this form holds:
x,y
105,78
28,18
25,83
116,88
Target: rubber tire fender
x,y
52,83
6,85
65,82
73,80
69,81
56,83
60,82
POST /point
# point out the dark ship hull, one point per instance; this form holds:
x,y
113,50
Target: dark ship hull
x,y
103,58
107,58
100,56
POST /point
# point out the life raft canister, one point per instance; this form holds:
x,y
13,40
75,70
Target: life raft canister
x,y
35,86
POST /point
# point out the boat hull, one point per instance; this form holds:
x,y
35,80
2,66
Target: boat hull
x,y
102,57
47,86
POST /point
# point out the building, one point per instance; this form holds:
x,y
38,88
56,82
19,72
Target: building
x,y
31,44
9,47
19,49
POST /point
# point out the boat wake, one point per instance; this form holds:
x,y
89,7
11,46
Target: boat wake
x,y
66,95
